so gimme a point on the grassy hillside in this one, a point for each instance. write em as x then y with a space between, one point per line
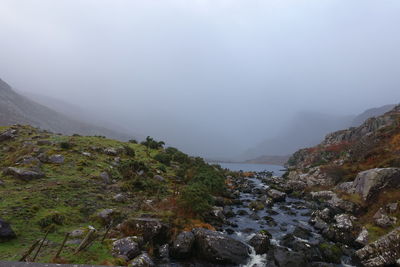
143 179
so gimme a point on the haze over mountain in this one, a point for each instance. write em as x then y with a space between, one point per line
15 108
212 77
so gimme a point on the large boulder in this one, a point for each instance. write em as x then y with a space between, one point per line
23 174
286 258
126 248
261 242
143 260
383 252
369 183
6 232
182 246
56 159
216 247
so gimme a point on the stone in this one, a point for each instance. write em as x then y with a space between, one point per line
362 238
285 258
261 242
344 221
369 183
105 177
159 178
7 135
163 253
106 215
56 159
276 195
120 198
143 260
302 232
110 151
182 245
218 248
23 174
392 207
6 232
126 248
148 228
383 252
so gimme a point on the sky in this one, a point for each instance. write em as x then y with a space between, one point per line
212 77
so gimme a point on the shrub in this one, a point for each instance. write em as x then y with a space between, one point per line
65 145
133 141
163 158
152 144
177 155
129 151
128 169
196 198
210 178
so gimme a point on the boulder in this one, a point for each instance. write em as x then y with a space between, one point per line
6 232
149 228
369 183
216 247
56 159
302 232
344 221
286 258
23 174
182 245
105 177
362 238
110 151
392 207
143 260
261 242
106 215
119 197
383 252
276 195
7 135
126 248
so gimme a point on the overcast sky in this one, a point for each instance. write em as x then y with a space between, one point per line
210 76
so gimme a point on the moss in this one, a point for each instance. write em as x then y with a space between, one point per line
331 252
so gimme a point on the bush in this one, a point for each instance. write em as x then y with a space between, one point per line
196 198
211 179
145 184
153 144
163 158
177 155
65 145
133 141
129 169
129 151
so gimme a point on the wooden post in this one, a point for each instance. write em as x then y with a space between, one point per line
41 245
34 245
62 246
85 240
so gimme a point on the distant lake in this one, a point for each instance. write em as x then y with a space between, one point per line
248 167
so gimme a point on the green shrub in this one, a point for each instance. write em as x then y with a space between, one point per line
152 144
163 158
65 145
212 179
196 198
128 169
133 141
129 151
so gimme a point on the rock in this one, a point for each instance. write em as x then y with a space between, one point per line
334 201
23 174
301 232
56 159
228 212
276 195
383 220
159 178
216 247
7 135
344 221
163 253
6 232
346 187
77 233
111 151
285 258
87 154
143 260
369 183
105 177
392 207
149 228
126 248
106 215
383 252
261 242
120 197
182 246
362 238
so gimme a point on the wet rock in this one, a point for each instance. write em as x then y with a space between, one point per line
182 245
228 212
285 258
23 174
163 253
311 252
143 260
276 195
369 183
362 238
383 252
230 231
302 232
242 213
261 242
270 221
6 232
126 248
254 216
219 248
56 159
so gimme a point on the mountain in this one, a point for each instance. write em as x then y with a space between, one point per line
373 112
274 160
305 129
18 109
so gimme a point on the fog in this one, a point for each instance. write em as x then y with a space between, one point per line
212 77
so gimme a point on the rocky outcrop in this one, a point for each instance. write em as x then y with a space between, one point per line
216 247
23 174
369 183
383 252
126 248
6 232
182 246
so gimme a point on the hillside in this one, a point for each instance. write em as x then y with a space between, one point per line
71 184
15 108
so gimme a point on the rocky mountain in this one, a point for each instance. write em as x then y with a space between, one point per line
18 109
373 112
274 160
355 175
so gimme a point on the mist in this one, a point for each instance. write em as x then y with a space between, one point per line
211 77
